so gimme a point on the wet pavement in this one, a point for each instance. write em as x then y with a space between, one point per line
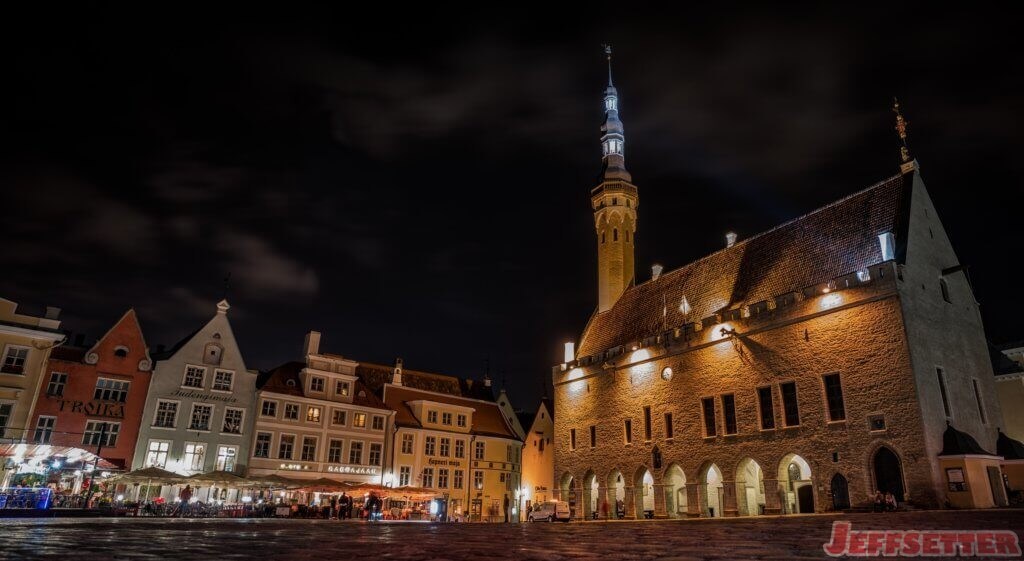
762 538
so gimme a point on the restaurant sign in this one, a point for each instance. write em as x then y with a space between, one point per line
94 408
356 470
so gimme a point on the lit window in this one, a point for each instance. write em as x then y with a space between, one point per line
341 388
313 415
156 455
359 420
195 455
404 476
478 479
226 458
428 477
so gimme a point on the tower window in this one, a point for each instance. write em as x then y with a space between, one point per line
602 237
615 234
615 201
945 290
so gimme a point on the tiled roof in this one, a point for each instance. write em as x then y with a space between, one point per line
956 443
375 376
277 381
487 417
827 243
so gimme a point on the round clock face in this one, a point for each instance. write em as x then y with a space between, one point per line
666 373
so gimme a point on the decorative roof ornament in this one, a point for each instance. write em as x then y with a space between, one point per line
907 163
608 53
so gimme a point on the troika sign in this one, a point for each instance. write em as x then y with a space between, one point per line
95 408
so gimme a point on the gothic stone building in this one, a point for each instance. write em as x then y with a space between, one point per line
798 370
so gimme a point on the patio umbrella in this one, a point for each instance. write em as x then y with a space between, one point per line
276 481
221 477
323 484
149 475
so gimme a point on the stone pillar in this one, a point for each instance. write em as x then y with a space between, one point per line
629 502
659 500
693 501
772 501
579 513
604 504
702 493
729 507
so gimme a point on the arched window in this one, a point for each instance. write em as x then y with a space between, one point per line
615 235
602 237
945 290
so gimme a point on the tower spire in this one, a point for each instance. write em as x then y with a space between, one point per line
907 163
608 53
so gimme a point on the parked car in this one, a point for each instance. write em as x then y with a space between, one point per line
551 511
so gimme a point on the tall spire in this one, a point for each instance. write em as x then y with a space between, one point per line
613 139
907 163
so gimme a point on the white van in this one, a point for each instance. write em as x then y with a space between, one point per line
551 511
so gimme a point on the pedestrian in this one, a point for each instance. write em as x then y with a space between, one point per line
879 501
345 504
184 497
890 502
334 507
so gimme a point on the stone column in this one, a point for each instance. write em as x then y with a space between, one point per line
580 513
629 502
659 500
693 501
602 501
729 507
702 502
772 501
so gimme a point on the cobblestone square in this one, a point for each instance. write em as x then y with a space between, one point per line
761 538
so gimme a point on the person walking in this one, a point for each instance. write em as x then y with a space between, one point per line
184 497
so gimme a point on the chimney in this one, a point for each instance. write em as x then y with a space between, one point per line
570 352
52 312
730 239
397 378
312 343
656 270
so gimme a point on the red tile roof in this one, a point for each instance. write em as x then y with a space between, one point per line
827 243
285 380
487 417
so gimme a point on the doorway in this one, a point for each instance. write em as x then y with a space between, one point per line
840 492
888 473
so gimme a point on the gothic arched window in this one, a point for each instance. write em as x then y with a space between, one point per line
615 235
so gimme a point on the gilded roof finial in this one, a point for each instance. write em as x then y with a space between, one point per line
901 131
608 53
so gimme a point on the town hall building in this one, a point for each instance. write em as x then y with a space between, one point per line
799 370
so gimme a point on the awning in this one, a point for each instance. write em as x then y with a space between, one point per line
23 451
149 476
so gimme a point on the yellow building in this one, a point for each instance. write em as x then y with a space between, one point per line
453 440
25 342
539 456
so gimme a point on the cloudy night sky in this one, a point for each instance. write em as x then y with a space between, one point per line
421 188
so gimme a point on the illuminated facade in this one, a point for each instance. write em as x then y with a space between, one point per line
315 419
539 456
797 370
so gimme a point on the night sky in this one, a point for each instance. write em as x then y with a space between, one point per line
421 188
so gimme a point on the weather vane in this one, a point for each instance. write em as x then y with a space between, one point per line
608 53
901 130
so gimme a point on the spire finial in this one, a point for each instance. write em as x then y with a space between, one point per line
608 53
907 163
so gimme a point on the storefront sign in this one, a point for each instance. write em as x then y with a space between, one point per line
294 467
357 470
442 462
94 408
205 396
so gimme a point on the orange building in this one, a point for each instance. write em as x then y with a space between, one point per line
92 399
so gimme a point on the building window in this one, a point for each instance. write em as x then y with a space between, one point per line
200 417
339 417
262 448
57 382
285 447
269 408
945 290
334 451
834 396
446 419
429 445
460 420
291 411
359 420
313 415
710 427
457 479
647 423
615 234
432 417
316 384
428 477
729 413
111 390
790 407
478 452
593 436
510 454
341 388
223 380
446 447
408 441
460 448
942 390
378 422
100 433
5 416
572 439
14 360
404 476
195 456
669 429
226 458
194 376
478 479
627 428
355 453
166 414
764 400
233 420
44 430
156 454
376 450
442 478
977 399
308 449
